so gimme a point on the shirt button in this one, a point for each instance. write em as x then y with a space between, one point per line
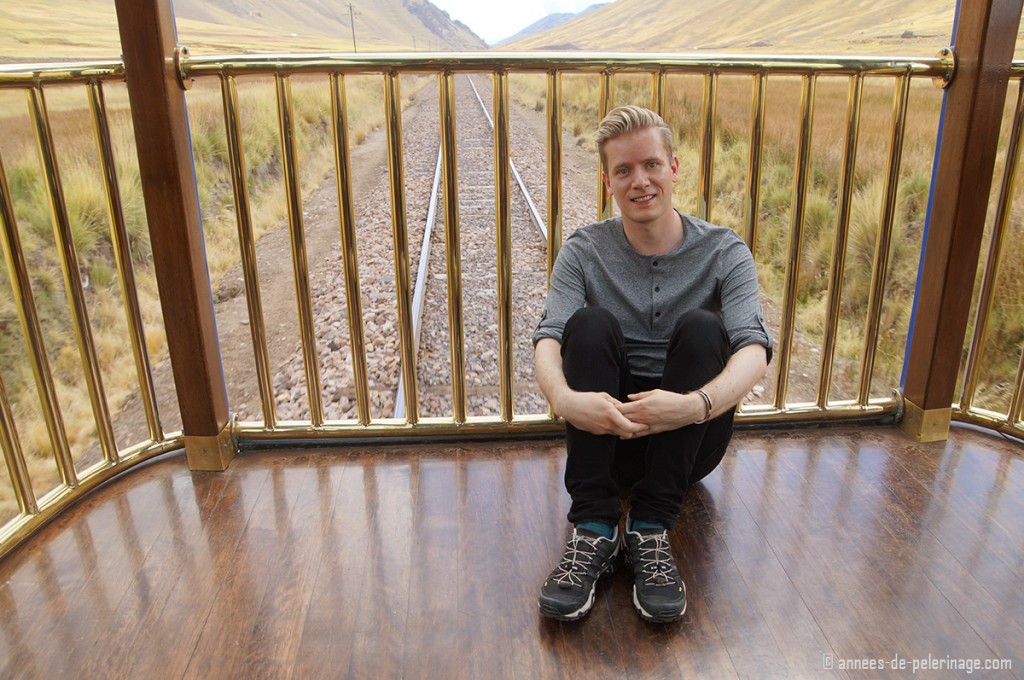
657 314
657 289
655 263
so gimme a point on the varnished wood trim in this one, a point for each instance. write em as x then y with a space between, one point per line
986 34
149 41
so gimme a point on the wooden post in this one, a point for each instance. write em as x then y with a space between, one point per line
149 43
984 42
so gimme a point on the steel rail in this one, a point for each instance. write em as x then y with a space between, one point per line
421 281
421 270
538 221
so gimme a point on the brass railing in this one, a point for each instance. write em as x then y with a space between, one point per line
35 510
1010 420
810 71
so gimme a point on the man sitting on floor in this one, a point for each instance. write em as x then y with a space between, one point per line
652 333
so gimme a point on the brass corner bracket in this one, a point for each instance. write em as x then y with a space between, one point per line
213 453
181 55
948 57
925 425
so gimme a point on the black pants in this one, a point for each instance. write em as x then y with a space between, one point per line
659 467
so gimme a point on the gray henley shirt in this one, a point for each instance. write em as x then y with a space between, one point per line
711 269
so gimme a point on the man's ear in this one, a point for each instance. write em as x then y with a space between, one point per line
675 168
607 184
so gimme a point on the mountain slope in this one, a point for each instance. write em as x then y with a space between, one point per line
547 23
822 26
87 29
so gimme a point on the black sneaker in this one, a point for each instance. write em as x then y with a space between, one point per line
568 591
659 593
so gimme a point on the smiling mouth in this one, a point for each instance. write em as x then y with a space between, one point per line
641 200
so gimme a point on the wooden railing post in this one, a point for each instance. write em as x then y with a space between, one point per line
149 43
986 31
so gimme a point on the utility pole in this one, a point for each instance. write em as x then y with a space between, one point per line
352 23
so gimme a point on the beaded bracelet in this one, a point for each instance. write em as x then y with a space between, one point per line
707 403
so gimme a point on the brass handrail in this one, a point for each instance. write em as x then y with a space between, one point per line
34 78
194 66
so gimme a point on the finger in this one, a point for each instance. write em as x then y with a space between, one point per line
625 426
640 395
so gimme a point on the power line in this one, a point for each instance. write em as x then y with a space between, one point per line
351 23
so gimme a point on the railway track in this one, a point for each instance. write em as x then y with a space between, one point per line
479 214
425 219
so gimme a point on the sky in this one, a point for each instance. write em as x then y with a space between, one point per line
493 21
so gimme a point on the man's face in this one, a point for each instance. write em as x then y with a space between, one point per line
639 173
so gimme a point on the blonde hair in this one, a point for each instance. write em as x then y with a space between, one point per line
625 119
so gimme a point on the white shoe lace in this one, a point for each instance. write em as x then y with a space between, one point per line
656 560
575 560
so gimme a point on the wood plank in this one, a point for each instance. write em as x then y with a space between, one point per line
430 649
333 627
183 570
425 561
69 566
889 541
792 623
812 549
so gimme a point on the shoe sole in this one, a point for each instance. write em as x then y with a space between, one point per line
588 605
667 617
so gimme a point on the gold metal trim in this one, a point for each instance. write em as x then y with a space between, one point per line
752 200
64 238
14 457
400 236
181 55
212 453
554 174
986 298
453 252
21 288
290 173
22 76
247 247
503 239
706 174
948 61
122 259
883 245
800 175
659 92
427 429
835 281
990 420
349 251
1014 414
579 62
554 169
606 103
925 425
15 532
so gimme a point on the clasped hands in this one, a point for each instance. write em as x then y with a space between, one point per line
644 414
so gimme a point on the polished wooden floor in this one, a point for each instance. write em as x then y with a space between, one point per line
813 553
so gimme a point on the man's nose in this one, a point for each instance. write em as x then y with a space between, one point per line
640 178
